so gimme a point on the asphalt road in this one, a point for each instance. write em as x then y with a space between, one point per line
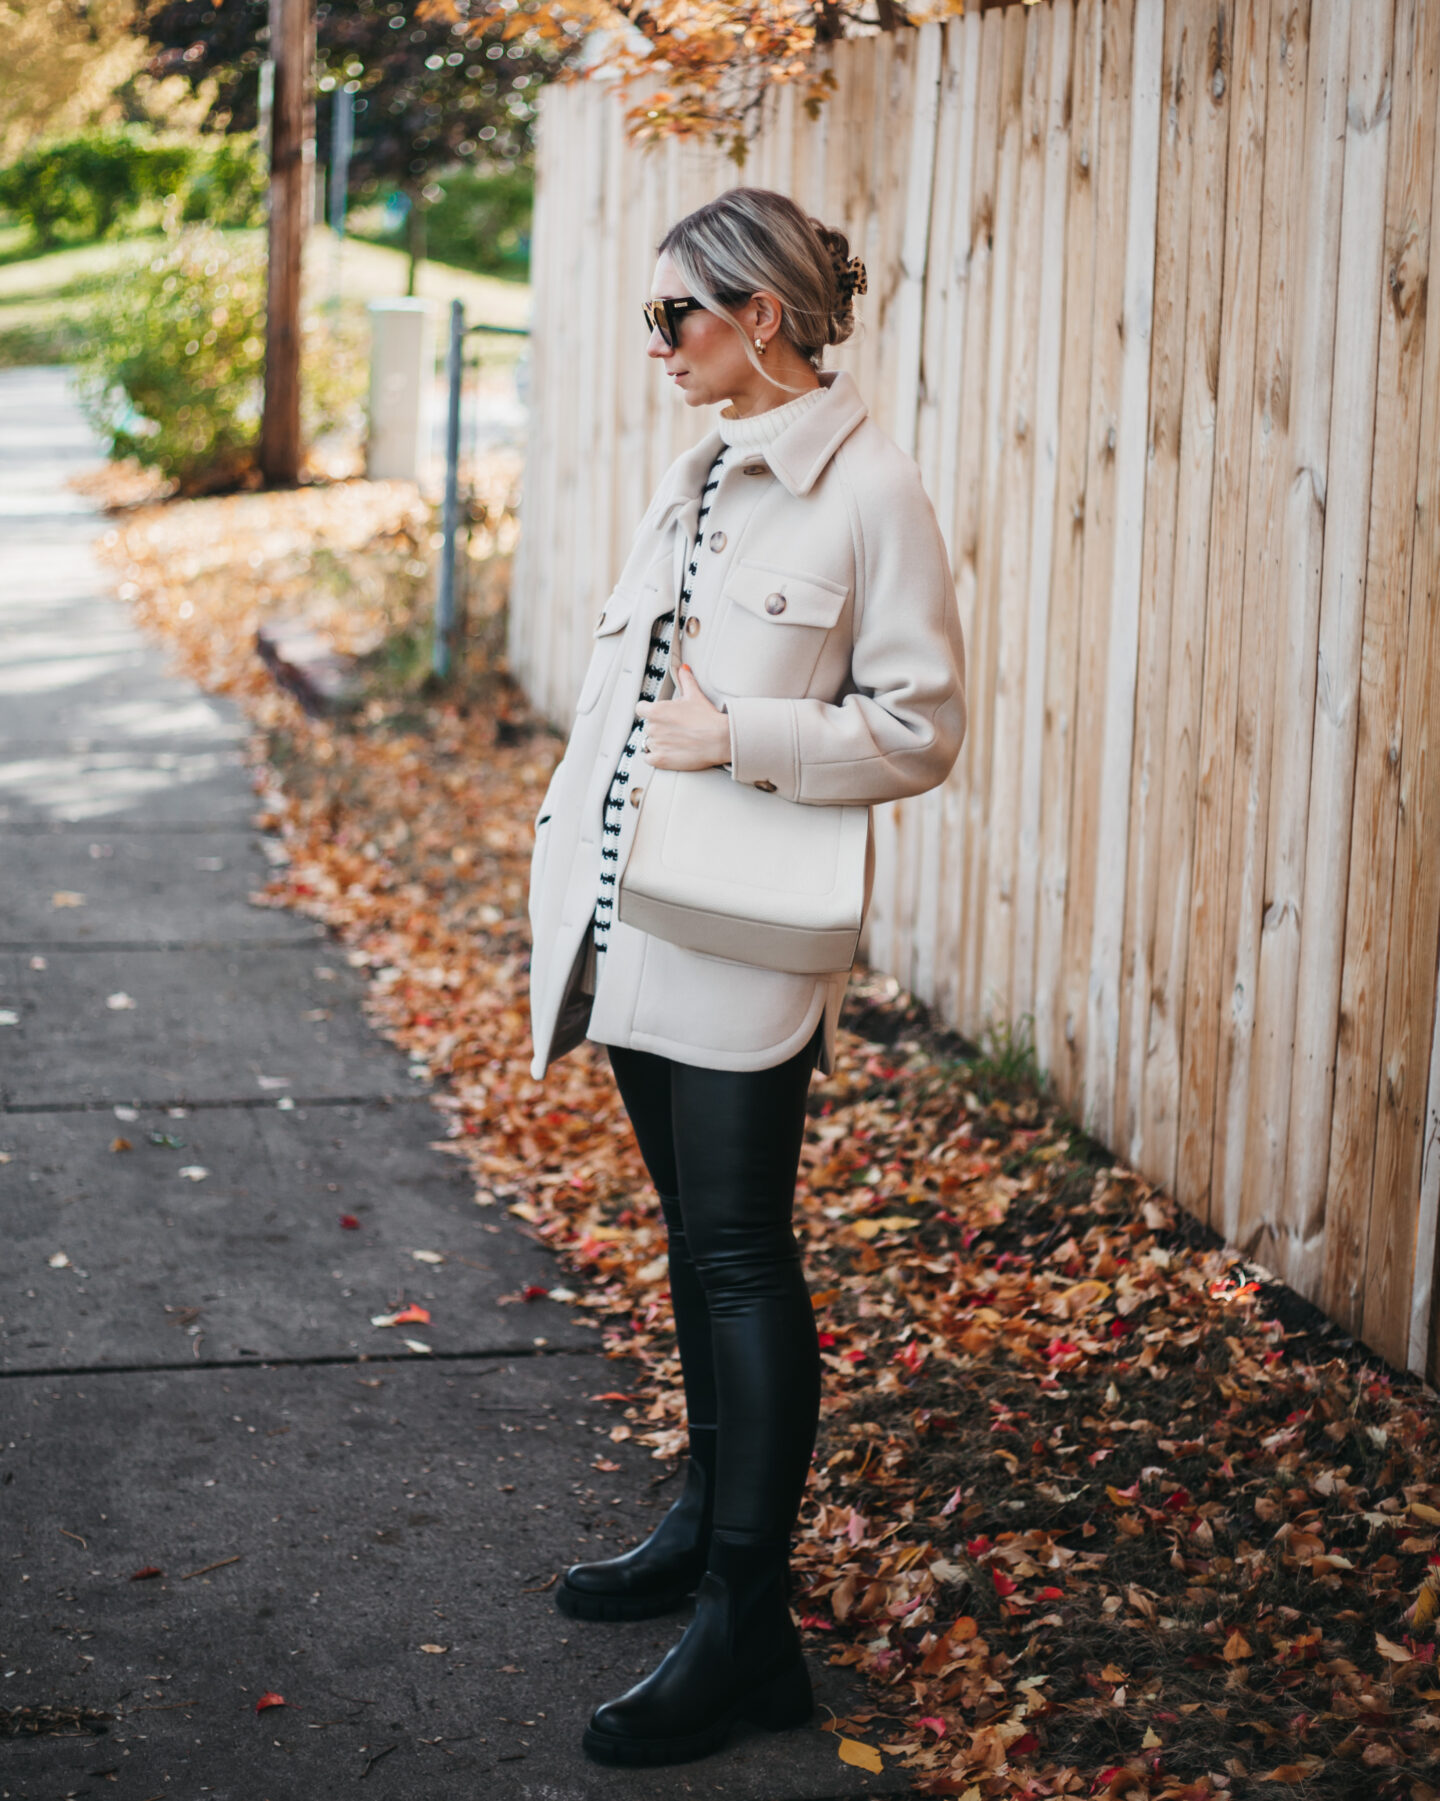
190 1381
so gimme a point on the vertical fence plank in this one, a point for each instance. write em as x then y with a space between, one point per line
1102 501
1068 558
951 173
637 258
1407 1152
878 216
1044 484
914 895
1112 828
953 427
618 353
968 523
990 426
1194 511
1185 72
1302 544
950 170
522 614
1342 605
915 162
1233 1213
909 304
1224 597
1369 1221
1016 445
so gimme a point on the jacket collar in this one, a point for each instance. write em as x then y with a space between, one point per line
797 456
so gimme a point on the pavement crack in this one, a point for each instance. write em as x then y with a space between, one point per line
54 947
354 1359
263 1103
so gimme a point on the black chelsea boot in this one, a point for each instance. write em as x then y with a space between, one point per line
660 1574
740 1658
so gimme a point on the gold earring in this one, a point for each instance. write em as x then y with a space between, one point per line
760 345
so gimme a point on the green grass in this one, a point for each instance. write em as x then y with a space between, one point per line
43 299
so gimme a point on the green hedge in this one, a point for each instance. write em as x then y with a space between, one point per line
76 189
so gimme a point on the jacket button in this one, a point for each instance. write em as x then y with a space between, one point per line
717 540
755 469
769 787
692 626
774 603
635 794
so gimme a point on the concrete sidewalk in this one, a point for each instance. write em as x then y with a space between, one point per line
188 1374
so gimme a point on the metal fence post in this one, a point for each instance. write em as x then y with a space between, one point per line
445 586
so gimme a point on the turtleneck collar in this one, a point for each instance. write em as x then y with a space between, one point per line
764 428
797 455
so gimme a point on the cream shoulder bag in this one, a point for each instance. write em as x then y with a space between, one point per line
721 867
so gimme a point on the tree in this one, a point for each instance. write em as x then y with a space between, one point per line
74 64
717 61
436 82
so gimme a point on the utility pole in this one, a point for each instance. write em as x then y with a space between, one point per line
292 50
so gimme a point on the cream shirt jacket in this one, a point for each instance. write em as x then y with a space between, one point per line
828 630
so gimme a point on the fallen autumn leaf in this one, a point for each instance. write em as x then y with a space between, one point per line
864 1757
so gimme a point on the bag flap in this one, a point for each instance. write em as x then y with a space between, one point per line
807 599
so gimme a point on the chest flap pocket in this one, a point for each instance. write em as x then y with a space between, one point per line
772 628
609 636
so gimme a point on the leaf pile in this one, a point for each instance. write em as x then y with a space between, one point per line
1090 1516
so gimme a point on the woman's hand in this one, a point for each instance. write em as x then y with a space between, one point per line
687 732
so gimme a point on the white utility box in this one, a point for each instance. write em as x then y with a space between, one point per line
402 387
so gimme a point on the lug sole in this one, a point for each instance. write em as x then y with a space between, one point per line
785 1701
579 1604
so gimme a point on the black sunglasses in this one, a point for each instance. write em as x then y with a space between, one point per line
664 315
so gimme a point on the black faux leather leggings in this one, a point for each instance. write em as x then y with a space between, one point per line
723 1149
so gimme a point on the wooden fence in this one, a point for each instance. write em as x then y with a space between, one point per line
1147 304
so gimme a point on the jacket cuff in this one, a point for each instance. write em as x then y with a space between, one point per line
762 744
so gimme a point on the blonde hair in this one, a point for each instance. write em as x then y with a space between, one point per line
751 238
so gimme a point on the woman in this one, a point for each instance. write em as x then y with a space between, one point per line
794 558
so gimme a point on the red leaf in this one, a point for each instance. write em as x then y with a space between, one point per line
269 1699
535 1291
151 1569
1051 1594
349 1222
412 1316
614 1395
1174 1502
977 1547
1003 1583
826 1340
816 1623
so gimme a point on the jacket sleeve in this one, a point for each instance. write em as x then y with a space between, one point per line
900 731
